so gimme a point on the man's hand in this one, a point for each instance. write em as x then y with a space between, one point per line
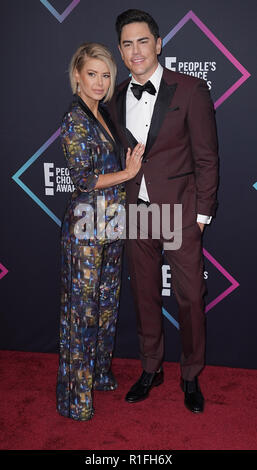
202 226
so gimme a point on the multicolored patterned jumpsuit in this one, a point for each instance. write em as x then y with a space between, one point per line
90 276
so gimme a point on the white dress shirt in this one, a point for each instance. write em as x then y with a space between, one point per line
139 127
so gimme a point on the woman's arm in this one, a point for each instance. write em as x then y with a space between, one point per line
74 139
133 165
77 151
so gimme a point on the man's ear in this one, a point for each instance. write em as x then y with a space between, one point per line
158 46
120 51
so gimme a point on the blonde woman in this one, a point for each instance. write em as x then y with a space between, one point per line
91 260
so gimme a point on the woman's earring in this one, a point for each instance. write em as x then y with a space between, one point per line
78 88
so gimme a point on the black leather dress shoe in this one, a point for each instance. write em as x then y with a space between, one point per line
194 399
140 390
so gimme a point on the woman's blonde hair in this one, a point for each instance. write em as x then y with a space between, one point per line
92 50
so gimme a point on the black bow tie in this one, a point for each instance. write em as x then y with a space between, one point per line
137 90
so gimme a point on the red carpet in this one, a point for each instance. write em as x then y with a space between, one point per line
29 420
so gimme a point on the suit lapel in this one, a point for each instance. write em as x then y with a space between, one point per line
165 95
121 112
126 136
120 120
121 106
163 101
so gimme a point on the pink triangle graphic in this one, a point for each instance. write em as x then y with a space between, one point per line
234 283
60 17
3 271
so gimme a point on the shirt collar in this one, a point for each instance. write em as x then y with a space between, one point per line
155 78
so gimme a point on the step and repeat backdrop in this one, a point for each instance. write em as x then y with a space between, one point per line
210 39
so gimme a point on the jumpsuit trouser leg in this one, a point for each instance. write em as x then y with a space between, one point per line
89 307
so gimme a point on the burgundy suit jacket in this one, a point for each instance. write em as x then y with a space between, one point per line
180 162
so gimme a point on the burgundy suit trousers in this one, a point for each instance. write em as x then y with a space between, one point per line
145 266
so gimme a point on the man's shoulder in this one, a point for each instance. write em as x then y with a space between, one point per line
182 79
121 85
118 89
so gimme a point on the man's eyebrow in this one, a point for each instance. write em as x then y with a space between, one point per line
130 40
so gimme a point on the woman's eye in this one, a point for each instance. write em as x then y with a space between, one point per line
106 76
91 74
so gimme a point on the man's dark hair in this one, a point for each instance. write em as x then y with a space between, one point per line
135 16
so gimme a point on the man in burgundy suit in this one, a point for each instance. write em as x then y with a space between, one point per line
172 114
